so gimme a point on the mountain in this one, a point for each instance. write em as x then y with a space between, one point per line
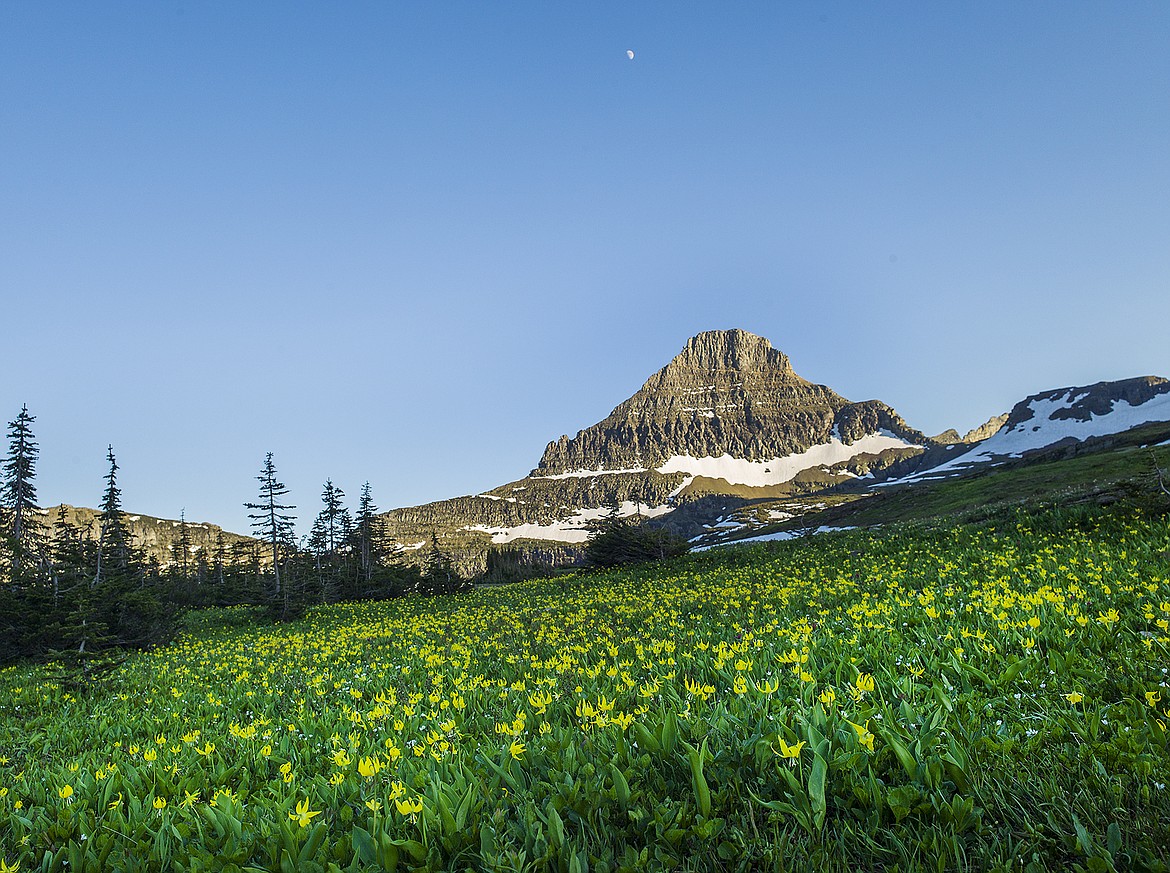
730 406
155 536
726 418
726 439
975 435
1063 417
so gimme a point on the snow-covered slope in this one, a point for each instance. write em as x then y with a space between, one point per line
774 471
1053 417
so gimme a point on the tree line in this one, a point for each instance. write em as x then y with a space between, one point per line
69 593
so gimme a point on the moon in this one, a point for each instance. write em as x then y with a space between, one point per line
630 54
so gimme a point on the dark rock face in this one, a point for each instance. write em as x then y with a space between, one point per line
1091 400
727 393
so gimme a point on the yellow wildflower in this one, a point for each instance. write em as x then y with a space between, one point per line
303 815
409 806
787 751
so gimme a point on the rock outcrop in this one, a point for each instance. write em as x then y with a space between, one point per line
156 537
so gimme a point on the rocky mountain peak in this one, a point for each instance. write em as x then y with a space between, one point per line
715 350
728 392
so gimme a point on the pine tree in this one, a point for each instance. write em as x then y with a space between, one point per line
115 552
274 525
329 541
439 574
368 535
219 562
126 588
23 531
615 540
179 566
181 547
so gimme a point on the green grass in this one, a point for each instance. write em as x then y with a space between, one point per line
987 696
1120 470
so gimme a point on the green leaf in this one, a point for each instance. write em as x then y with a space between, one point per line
620 785
669 733
556 827
900 751
1084 841
416 849
1113 838
487 843
698 781
1012 671
817 778
448 820
312 844
363 846
646 740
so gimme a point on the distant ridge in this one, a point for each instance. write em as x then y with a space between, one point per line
1065 415
155 536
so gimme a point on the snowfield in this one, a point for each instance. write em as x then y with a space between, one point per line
776 471
1042 430
573 529
773 537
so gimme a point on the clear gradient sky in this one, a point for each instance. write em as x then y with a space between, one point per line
414 242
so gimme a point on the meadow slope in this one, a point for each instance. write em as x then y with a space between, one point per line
988 696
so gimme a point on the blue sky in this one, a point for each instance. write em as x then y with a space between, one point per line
412 243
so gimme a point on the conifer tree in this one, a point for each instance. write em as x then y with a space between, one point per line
331 496
23 531
273 524
440 575
181 547
368 536
126 587
115 561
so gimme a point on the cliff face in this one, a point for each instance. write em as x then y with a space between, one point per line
727 393
155 536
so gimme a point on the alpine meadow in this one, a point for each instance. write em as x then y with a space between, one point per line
528 437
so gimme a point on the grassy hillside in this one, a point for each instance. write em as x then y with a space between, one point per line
1118 469
988 696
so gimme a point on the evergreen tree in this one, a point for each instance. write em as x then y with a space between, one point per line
368 537
115 561
439 574
330 542
179 566
126 588
181 548
615 540
272 523
330 515
23 531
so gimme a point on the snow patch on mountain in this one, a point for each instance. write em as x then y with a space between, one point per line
572 529
1046 428
739 471
777 536
588 474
